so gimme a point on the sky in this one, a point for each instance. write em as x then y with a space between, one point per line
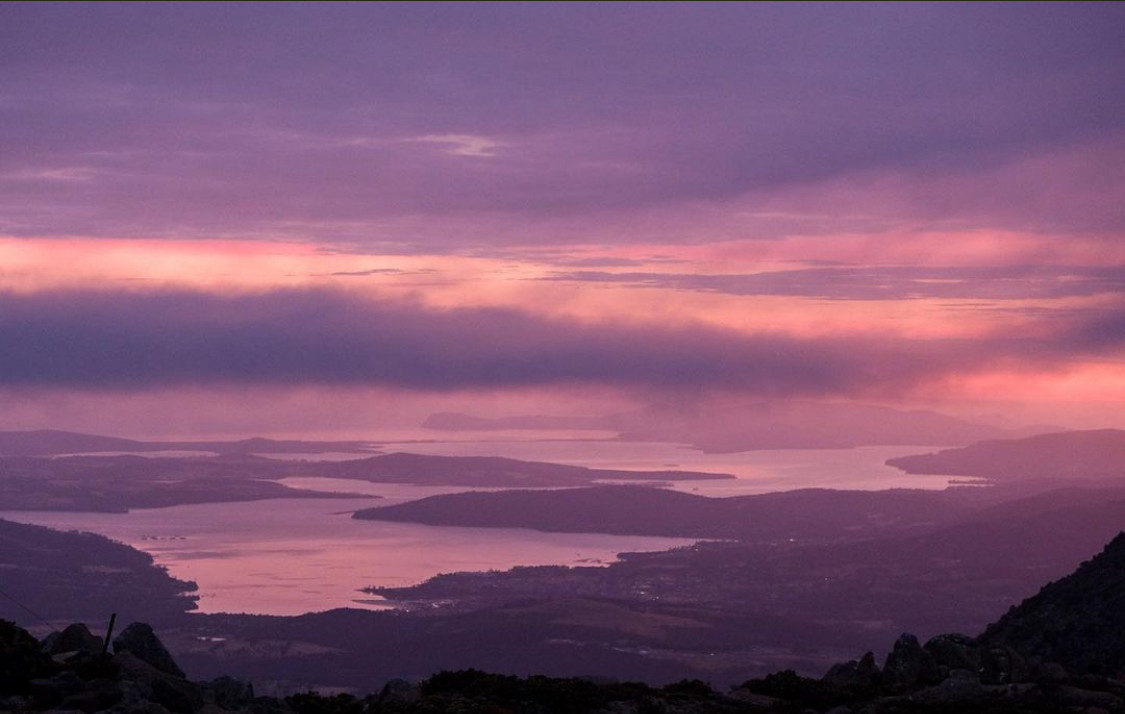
235 218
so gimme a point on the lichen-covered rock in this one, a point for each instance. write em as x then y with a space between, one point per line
139 640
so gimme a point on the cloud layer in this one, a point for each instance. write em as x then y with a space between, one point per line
1012 282
493 123
131 341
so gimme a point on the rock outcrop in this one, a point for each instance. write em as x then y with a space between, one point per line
68 671
1076 621
139 640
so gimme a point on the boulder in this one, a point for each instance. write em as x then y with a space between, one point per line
228 693
20 659
960 685
1002 665
76 638
49 692
854 675
142 682
909 665
953 651
400 691
96 695
1086 698
139 640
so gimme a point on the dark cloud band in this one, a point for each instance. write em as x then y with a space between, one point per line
145 340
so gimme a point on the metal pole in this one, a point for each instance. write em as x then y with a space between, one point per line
109 634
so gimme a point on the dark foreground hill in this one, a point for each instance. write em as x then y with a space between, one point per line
1060 651
1078 621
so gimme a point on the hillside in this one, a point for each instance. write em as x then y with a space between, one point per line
1097 455
488 471
58 575
48 442
1078 621
807 514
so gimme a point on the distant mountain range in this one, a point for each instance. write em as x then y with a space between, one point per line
50 442
763 425
1096 455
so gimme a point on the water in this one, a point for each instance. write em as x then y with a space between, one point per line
757 471
291 556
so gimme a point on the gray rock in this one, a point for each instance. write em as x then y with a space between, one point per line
142 682
51 691
961 684
1075 697
954 651
1002 665
909 665
75 638
755 701
1051 672
863 674
14 704
97 695
20 657
228 693
400 691
139 640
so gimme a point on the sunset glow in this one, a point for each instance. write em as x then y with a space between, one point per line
941 210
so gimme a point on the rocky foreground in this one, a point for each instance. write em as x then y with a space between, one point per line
1060 651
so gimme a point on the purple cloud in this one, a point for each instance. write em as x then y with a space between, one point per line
126 341
1013 282
327 121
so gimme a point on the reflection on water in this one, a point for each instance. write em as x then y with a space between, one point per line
757 471
290 556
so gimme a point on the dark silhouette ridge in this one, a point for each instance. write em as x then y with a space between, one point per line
791 424
1078 621
48 442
